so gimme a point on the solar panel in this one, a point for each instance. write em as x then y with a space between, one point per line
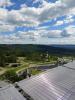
70 65
55 84
3 84
10 93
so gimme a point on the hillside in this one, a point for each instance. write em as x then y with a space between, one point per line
24 49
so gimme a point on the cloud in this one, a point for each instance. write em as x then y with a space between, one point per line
32 16
40 37
6 28
3 14
42 33
71 30
65 34
59 23
69 19
16 40
69 3
5 3
50 33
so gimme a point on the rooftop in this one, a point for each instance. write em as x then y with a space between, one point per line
9 92
3 84
70 65
55 84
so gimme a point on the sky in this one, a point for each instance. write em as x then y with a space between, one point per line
37 21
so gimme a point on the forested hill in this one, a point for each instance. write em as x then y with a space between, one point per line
26 49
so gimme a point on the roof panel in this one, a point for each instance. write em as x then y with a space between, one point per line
10 93
70 65
54 84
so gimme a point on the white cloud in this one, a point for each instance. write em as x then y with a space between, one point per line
5 3
69 3
3 14
59 22
38 36
6 28
10 40
71 30
69 19
50 33
31 16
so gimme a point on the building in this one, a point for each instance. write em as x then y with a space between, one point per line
9 92
55 84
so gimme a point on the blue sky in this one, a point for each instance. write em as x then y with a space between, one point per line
37 21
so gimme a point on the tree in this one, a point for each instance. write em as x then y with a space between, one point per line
11 76
2 60
11 59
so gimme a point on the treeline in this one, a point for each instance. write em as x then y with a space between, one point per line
4 60
10 53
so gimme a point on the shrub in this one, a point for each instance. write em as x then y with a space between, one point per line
11 76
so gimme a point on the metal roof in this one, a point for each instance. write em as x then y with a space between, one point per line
3 83
55 84
10 93
70 65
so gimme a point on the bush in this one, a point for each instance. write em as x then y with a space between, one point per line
11 76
